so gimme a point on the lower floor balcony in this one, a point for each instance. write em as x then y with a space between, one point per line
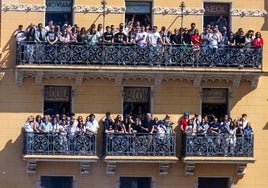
139 148
57 147
217 148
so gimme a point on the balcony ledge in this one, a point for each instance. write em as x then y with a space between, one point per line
119 74
83 160
163 161
240 162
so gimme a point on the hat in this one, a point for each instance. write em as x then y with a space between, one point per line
160 122
185 114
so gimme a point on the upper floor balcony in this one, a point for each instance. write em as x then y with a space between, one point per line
133 55
121 62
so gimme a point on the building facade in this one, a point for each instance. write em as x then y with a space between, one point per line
84 79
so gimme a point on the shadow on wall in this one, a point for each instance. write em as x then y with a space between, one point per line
265 25
12 164
5 57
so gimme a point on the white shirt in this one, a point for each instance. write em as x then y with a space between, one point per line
92 125
142 38
153 38
28 127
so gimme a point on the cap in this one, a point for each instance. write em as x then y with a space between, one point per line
186 114
160 122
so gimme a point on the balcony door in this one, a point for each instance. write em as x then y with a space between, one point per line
139 11
215 101
57 99
56 182
213 182
59 11
217 14
136 100
135 182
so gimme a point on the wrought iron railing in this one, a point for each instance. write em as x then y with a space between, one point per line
219 145
164 55
140 145
59 144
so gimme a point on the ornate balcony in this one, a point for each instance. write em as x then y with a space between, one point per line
132 55
141 148
59 147
80 62
218 148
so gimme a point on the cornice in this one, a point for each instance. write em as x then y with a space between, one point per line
98 9
121 10
24 7
197 79
177 11
248 13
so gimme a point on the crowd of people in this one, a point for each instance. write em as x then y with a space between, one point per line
212 36
76 126
208 124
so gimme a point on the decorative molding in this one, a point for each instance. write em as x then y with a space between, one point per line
189 169
252 13
237 80
158 80
19 78
254 82
79 78
111 168
163 168
24 7
198 80
31 167
39 78
118 79
240 169
177 11
84 168
99 9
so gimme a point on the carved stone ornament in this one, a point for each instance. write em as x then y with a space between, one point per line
99 9
253 13
176 11
23 7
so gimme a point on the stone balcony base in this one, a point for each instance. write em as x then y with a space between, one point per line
83 160
240 162
163 162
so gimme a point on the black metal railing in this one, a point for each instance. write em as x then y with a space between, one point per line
140 145
219 145
59 144
116 54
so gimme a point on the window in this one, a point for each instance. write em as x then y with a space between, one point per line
213 182
135 182
59 11
136 100
139 11
56 182
57 99
217 14
215 101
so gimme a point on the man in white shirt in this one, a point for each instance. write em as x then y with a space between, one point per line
154 37
92 125
142 37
